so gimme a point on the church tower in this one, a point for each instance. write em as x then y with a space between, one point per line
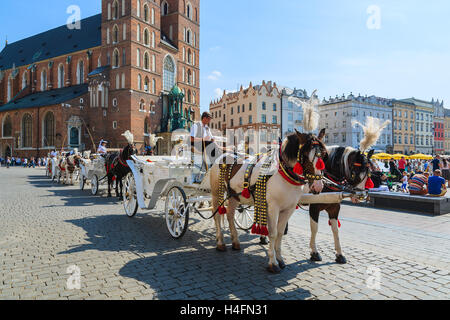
151 51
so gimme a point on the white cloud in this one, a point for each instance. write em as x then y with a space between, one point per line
215 75
218 93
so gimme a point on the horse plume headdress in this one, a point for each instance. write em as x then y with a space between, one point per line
310 124
129 136
372 131
310 114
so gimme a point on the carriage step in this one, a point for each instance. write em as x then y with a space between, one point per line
199 199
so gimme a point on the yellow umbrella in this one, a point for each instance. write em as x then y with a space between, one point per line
398 156
382 156
421 156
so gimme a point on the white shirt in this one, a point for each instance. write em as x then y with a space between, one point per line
102 150
206 131
53 154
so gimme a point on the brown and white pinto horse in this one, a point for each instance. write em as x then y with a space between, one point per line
67 166
284 188
349 169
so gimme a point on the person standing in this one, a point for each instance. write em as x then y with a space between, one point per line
402 165
8 162
436 162
446 171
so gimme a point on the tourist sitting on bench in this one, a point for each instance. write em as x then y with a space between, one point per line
418 184
437 185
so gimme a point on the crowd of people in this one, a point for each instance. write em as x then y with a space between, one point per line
23 162
417 177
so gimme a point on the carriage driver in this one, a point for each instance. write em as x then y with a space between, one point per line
102 148
202 142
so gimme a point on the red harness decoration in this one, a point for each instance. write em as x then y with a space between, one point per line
61 168
288 179
339 223
369 184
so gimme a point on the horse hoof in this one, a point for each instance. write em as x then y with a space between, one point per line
340 259
236 247
281 264
315 256
221 248
273 269
263 241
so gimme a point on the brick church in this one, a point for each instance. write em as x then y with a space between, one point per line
133 67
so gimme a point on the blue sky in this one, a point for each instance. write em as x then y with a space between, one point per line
322 44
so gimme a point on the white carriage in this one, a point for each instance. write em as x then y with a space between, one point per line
172 180
93 172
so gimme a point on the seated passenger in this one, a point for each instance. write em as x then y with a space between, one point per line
102 148
418 184
437 185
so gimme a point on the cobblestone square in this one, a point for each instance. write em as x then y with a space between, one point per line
47 230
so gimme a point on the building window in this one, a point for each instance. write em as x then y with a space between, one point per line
263 118
27 131
115 34
146 13
146 84
60 76
7 127
264 106
165 8
146 61
43 80
250 119
114 125
116 58
146 37
274 107
274 119
80 72
115 10
169 73
49 130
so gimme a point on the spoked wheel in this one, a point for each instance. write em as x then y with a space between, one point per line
177 213
243 217
82 182
130 203
94 185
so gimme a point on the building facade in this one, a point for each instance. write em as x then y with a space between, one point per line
292 110
438 127
337 115
133 67
255 108
447 131
424 125
404 115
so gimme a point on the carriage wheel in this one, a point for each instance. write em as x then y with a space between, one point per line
94 185
177 213
243 217
130 203
82 183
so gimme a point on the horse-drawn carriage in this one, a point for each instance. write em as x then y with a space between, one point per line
93 172
172 180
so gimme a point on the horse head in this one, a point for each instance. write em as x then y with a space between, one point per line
358 165
306 154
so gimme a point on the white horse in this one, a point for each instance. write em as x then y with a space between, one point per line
284 188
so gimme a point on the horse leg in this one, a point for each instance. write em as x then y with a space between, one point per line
273 213
117 187
230 216
109 185
121 188
333 214
314 211
220 245
282 224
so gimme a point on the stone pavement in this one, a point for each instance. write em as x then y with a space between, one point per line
47 228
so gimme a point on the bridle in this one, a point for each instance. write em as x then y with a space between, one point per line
294 178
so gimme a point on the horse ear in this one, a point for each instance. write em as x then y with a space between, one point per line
370 154
322 134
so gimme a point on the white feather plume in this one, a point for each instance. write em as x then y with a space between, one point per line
129 136
372 131
310 115
154 140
